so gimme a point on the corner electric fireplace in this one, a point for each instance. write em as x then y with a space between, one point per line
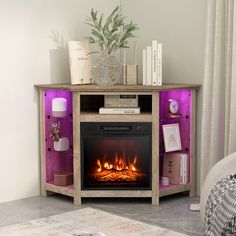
116 156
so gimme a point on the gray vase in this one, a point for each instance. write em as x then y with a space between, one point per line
106 70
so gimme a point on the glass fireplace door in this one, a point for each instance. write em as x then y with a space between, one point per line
115 156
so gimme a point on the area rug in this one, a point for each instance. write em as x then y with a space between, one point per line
85 222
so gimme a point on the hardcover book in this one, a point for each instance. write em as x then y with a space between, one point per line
171 168
159 64
149 66
80 62
117 111
185 168
121 101
144 66
175 166
154 62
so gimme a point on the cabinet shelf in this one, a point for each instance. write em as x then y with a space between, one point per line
172 189
174 118
65 190
59 119
93 116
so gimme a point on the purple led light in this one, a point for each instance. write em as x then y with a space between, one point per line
58 161
184 98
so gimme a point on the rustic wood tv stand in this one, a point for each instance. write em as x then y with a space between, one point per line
83 104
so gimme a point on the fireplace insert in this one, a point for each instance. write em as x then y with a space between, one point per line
116 156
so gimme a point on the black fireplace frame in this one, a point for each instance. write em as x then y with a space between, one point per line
117 129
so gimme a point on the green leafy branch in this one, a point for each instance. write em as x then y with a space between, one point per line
111 34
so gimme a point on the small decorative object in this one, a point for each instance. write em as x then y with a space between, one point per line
109 35
55 131
173 106
172 139
59 107
130 72
80 62
61 145
165 181
62 178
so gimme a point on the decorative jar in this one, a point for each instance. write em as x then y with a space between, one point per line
106 70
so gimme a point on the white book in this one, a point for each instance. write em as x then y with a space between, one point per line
185 169
154 62
117 111
144 66
149 66
181 170
80 62
159 64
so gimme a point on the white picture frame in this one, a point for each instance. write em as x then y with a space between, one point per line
171 136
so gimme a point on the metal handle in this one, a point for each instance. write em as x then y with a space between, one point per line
116 128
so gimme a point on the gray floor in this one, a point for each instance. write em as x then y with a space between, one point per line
173 212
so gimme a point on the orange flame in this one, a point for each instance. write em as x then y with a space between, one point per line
99 166
118 164
107 166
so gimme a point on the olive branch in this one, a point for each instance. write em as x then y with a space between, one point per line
111 34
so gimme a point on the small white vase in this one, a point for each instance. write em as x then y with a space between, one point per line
62 145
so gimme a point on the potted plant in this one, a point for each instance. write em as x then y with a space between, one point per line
109 35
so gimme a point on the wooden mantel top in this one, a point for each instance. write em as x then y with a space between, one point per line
117 88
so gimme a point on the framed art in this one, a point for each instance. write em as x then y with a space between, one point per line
171 135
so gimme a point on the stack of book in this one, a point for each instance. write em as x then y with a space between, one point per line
152 64
175 166
120 104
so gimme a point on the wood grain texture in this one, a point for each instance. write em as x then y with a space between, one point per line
118 88
155 148
177 189
42 143
116 93
95 117
60 189
76 148
116 193
78 117
193 144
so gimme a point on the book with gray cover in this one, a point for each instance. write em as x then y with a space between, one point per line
121 101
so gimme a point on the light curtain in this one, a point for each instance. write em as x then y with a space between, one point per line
218 134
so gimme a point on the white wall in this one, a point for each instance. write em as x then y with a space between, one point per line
180 26
29 56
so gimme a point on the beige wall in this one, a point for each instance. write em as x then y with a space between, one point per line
28 56
180 26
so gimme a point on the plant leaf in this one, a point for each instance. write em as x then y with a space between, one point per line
111 34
